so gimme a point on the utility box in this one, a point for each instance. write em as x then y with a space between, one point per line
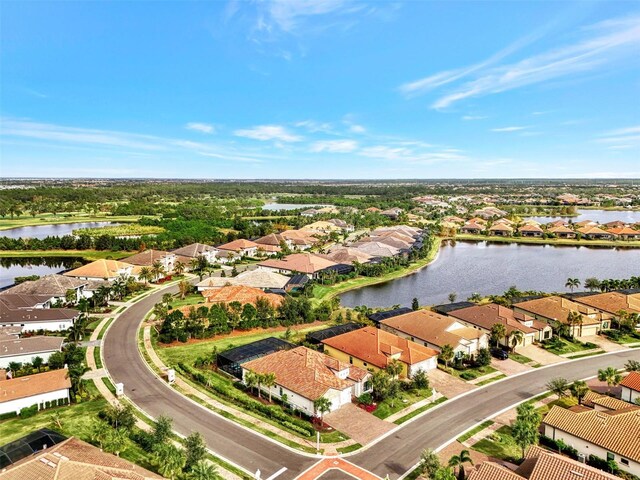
119 389
171 375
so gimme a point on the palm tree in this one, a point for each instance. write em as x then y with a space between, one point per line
157 269
394 368
579 389
452 297
169 459
321 406
498 332
575 318
458 461
269 380
447 354
146 275
558 386
184 286
179 267
609 375
516 338
250 380
37 363
572 283
592 283
203 471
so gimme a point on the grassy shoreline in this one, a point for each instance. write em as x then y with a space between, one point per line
327 292
50 219
86 254
550 241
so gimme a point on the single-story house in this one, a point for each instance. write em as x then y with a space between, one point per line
108 270
531 231
300 239
348 256
377 249
484 317
625 233
608 435
149 257
595 233
322 227
500 230
435 331
262 279
344 226
631 387
392 213
609 302
54 286
23 392
34 319
373 348
555 310
304 376
196 250
562 231
241 294
20 300
472 228
241 247
23 350
274 240
307 263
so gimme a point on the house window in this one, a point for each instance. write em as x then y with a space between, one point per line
547 334
610 456
624 461
351 360
605 324
364 364
281 391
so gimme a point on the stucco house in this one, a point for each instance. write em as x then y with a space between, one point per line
24 350
23 392
196 250
631 387
54 286
241 247
108 270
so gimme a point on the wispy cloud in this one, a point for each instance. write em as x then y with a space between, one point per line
312 126
622 138
268 132
509 129
334 146
409 155
200 127
605 43
468 118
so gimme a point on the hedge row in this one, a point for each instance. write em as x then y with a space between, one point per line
243 400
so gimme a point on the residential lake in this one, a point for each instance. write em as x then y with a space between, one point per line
11 268
491 268
600 216
43 231
290 206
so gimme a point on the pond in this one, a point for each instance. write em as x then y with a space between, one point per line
491 268
43 231
600 216
290 206
25 266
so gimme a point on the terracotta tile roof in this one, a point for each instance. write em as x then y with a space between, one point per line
304 371
485 316
30 385
611 302
348 255
500 227
560 229
321 226
300 237
258 278
388 240
300 262
492 471
147 258
194 250
541 464
472 226
30 345
242 294
618 432
100 269
624 231
592 230
238 245
274 239
54 285
632 381
555 308
585 223
376 347
530 228
428 326
74 459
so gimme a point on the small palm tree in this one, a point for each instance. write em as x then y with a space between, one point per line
169 459
498 332
179 267
579 389
146 275
572 283
184 286
157 269
447 354
269 381
250 380
321 406
558 386
609 375
203 471
516 338
394 368
458 461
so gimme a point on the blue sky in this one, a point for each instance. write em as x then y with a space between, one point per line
320 89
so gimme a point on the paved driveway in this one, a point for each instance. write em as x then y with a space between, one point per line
604 343
508 366
363 427
448 385
540 355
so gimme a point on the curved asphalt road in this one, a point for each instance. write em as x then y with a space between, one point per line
392 456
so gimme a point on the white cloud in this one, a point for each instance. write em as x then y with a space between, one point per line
603 44
314 127
334 146
473 117
200 127
409 155
509 129
268 132
622 137
357 128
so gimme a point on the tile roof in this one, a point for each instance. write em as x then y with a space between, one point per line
541 464
560 229
388 240
348 255
100 269
530 228
21 300
592 230
492 471
618 431
238 245
555 308
251 278
500 227
306 372
377 249
624 231
429 326
30 385
485 316
194 250
376 347
300 237
74 459
240 293
54 285
26 315
300 262
147 258
611 302
274 239
632 381
30 345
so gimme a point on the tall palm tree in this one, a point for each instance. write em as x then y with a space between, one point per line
575 318
458 461
498 332
179 267
592 283
157 269
572 283
250 380
146 275
447 354
609 375
269 380
169 459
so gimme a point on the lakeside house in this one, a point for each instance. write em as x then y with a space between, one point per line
34 319
372 348
610 302
435 331
23 350
631 387
197 250
107 270
484 317
376 249
241 294
39 389
240 247
555 310
472 228
531 231
595 233
307 263
54 286
609 435
625 233
262 279
562 231
305 375
348 256
500 230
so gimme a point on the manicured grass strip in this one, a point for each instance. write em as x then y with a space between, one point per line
96 357
520 358
350 448
590 354
403 400
109 384
418 411
62 218
473 431
104 329
500 444
489 380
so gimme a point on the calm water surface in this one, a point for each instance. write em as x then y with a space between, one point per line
468 267
600 216
22 267
290 206
43 231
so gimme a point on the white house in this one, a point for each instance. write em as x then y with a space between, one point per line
54 286
34 319
304 376
23 350
108 270
241 247
196 250
38 389
631 387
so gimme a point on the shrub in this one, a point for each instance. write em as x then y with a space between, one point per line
467 376
365 399
4 416
28 412
559 446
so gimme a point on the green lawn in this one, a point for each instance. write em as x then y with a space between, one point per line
192 299
404 400
68 217
519 358
418 411
564 402
500 444
104 329
490 380
350 448
128 230
473 431
472 373
96 357
559 346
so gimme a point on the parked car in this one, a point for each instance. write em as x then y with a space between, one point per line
499 353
